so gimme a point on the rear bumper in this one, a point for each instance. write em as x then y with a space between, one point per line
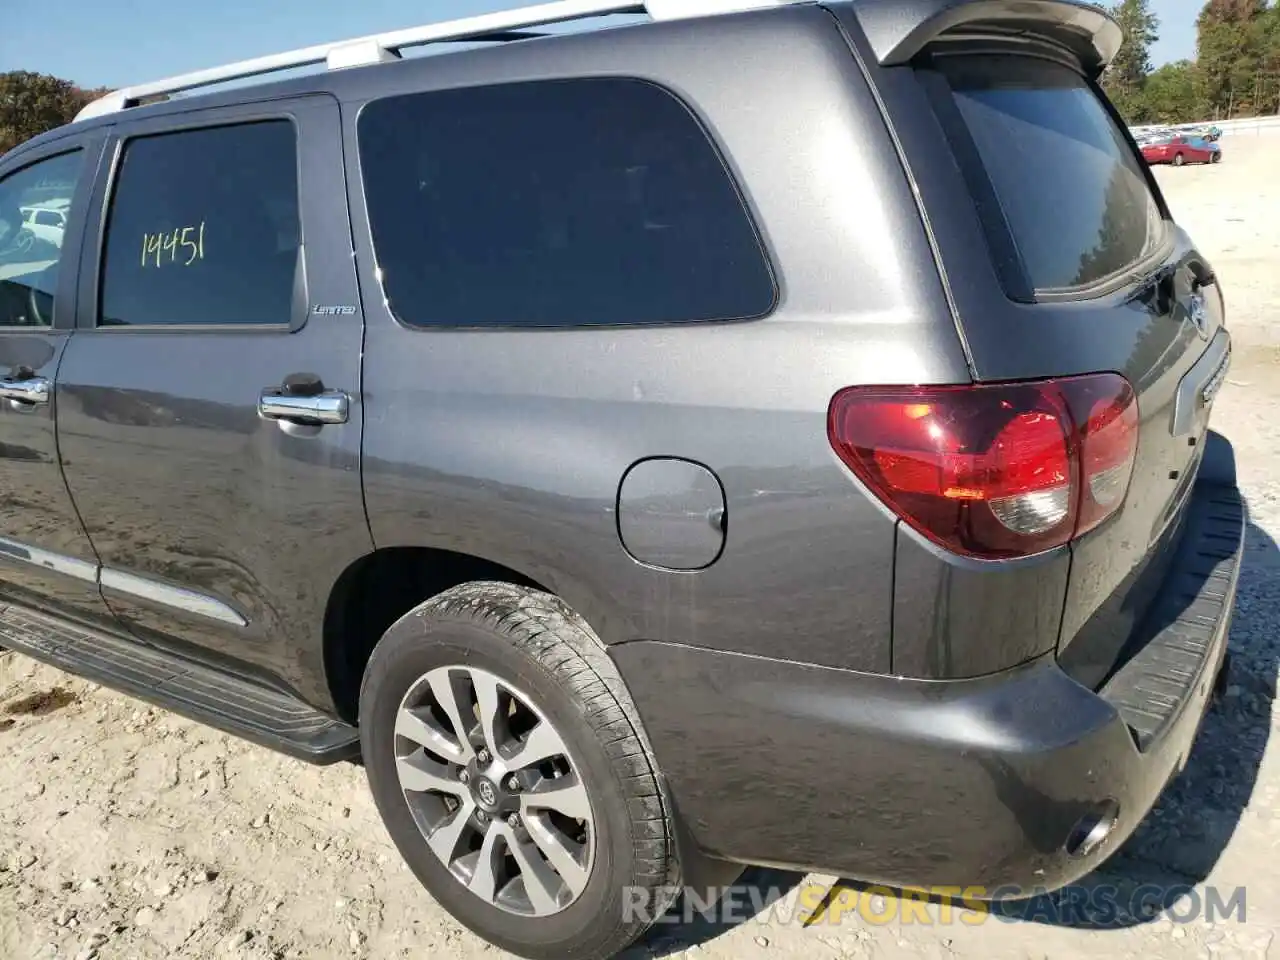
933 783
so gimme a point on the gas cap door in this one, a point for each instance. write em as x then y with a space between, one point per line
671 514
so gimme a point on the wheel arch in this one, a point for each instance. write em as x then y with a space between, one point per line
380 587
375 591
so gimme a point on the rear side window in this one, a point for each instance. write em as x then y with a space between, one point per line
1061 192
557 203
204 228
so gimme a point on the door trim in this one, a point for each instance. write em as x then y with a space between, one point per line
49 560
179 598
143 588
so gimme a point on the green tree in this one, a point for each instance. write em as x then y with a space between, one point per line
31 103
1232 39
1170 94
1126 76
1268 81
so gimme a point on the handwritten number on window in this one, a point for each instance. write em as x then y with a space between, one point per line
184 245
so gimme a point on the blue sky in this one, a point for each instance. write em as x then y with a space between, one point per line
113 43
1177 29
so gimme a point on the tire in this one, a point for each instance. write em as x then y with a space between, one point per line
1178 160
537 654
1215 157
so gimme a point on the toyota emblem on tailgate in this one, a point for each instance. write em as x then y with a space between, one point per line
1198 316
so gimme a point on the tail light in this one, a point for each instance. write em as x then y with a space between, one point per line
992 471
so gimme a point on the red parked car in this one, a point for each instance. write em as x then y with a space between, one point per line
1181 149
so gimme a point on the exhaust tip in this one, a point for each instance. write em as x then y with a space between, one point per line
1092 830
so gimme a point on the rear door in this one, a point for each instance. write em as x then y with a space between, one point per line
1069 263
46 561
209 402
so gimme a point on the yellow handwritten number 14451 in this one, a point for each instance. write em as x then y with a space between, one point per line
164 247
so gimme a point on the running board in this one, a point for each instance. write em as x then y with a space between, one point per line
233 705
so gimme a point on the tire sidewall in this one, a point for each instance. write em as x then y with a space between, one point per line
418 644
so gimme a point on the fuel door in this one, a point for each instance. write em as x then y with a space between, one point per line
671 514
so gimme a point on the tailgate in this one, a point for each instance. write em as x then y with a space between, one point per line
1061 259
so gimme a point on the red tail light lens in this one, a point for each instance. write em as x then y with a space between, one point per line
993 470
1108 415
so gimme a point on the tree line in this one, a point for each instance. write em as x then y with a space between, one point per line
31 103
1235 73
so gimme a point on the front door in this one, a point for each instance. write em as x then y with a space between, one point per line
209 404
46 561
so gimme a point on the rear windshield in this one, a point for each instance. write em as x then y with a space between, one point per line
1061 192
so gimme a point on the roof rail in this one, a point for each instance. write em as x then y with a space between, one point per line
385 47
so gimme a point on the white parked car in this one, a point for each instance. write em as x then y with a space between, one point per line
48 222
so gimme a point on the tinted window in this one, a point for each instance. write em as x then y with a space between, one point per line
204 228
1069 189
558 203
30 250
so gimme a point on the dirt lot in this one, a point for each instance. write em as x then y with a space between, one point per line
126 832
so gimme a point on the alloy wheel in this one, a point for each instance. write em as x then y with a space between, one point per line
494 790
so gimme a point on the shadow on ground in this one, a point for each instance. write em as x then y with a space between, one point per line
689 923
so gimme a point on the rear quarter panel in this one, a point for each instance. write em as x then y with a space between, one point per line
1097 583
510 444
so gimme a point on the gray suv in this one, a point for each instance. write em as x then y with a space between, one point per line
769 433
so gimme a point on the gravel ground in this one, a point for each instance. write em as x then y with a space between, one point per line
127 832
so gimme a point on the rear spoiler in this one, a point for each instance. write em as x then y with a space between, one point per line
900 30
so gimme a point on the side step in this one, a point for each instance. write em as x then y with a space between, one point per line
236 706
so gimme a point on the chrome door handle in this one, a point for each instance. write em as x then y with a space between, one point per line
331 406
30 390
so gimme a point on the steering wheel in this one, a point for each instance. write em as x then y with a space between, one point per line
39 316
25 241
40 303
